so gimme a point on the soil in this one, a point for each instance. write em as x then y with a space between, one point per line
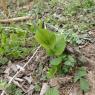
88 51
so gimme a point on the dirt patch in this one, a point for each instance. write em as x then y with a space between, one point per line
87 53
88 50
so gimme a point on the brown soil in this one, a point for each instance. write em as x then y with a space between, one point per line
88 51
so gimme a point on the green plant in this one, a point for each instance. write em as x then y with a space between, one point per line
63 64
13 90
81 77
54 44
10 89
69 63
13 43
39 5
52 91
3 60
88 3
54 2
74 6
52 71
3 85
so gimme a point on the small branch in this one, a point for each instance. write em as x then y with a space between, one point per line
10 20
3 92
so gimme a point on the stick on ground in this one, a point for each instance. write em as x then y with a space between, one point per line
17 19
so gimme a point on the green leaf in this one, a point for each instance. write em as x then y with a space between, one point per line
3 39
11 89
65 69
54 44
3 85
70 61
2 51
32 27
56 61
40 23
84 85
88 3
52 91
81 73
18 92
60 44
46 38
52 71
3 60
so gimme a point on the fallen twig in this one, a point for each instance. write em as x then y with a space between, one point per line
17 19
3 92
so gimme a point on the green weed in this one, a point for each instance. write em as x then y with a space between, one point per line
10 89
81 77
13 43
55 45
52 91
